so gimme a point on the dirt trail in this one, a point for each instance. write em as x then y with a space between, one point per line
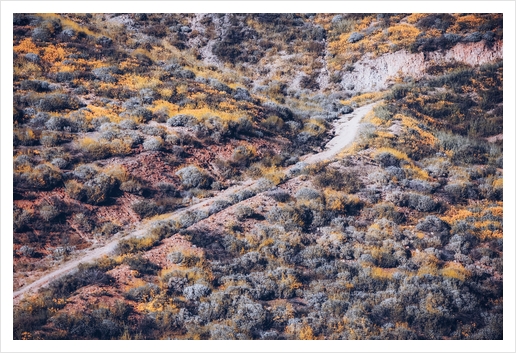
345 131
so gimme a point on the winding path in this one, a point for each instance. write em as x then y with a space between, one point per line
346 129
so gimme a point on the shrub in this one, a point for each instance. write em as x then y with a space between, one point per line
145 208
348 181
84 276
241 94
48 212
152 130
241 196
176 285
196 291
56 102
279 195
194 177
383 112
21 219
142 265
355 37
308 194
243 155
133 245
242 125
418 202
164 229
219 205
57 123
143 293
94 191
132 186
34 58
182 120
189 218
459 191
176 257
399 92
105 74
249 316
273 123
242 212
127 124
50 139
44 177
28 251
386 159
289 217
85 172
223 332
433 224
142 114
388 211
153 144
35 85
471 153
41 34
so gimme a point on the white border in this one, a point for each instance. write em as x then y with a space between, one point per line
10 7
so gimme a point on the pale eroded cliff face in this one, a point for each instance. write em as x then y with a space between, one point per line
372 74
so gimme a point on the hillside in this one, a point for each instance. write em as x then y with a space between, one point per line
200 176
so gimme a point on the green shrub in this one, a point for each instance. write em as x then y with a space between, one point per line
164 229
132 186
134 245
44 177
347 181
143 293
145 208
48 212
142 265
56 102
194 177
21 219
99 189
242 212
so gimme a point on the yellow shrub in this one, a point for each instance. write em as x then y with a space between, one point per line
101 148
427 270
410 123
166 93
53 53
495 211
454 215
455 270
498 183
273 174
417 173
26 46
93 111
306 333
26 69
470 21
382 273
314 127
161 105
138 82
413 18
394 152
402 34
67 23
384 134
117 171
335 200
364 98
